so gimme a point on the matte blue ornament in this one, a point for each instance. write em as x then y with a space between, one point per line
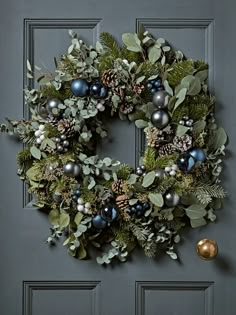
198 154
98 222
80 87
109 213
185 162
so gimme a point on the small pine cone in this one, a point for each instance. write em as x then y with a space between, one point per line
126 108
183 143
117 186
138 88
166 149
109 78
66 127
122 202
155 137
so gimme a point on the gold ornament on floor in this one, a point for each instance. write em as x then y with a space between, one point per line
207 249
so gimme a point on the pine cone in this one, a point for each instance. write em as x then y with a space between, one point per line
122 202
138 88
109 78
66 127
117 186
126 108
166 149
183 143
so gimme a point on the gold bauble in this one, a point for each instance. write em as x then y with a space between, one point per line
207 249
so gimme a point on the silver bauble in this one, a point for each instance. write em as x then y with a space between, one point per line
160 119
160 173
53 104
172 199
66 143
42 111
160 99
71 169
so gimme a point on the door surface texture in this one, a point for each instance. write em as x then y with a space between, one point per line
38 280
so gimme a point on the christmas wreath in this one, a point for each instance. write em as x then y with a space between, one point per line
98 202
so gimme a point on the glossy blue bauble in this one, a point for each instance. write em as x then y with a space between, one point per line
98 222
98 91
80 87
77 193
153 90
74 198
185 162
198 154
146 206
109 213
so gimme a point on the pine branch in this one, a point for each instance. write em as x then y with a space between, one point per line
139 232
179 71
124 171
150 249
206 192
110 44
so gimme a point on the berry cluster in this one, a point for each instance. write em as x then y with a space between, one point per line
186 121
81 205
39 134
139 208
62 144
171 170
155 85
140 170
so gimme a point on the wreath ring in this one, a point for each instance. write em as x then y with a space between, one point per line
103 203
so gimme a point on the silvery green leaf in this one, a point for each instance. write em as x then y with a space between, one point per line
133 201
99 47
82 228
106 259
51 143
172 255
93 54
161 41
163 60
82 157
140 79
156 199
202 75
64 220
219 139
61 106
37 68
92 183
29 65
70 49
107 161
140 123
181 130
195 87
167 87
196 211
78 218
148 212
166 48
210 215
35 152
86 170
132 42
199 126
187 81
106 176
100 260
132 179
180 97
154 53
153 77
177 239
72 33
195 223
53 217
29 76
149 179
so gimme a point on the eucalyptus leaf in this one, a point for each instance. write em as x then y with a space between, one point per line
195 223
82 254
180 97
53 217
132 42
140 79
64 220
132 179
35 152
78 218
149 179
219 138
167 87
202 75
154 53
156 199
199 126
181 130
195 87
196 211
140 123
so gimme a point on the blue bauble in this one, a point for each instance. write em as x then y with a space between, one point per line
98 222
153 90
80 87
109 213
149 85
198 154
98 91
75 198
146 206
185 162
77 193
157 83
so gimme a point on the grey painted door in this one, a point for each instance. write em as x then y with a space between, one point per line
35 280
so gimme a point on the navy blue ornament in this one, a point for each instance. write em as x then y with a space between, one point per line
77 193
185 162
74 198
109 213
155 85
146 206
98 222
98 91
139 209
198 154
80 87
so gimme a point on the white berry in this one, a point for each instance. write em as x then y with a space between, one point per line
38 140
42 137
41 127
86 210
100 107
174 167
172 173
80 208
87 205
167 169
80 201
37 133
